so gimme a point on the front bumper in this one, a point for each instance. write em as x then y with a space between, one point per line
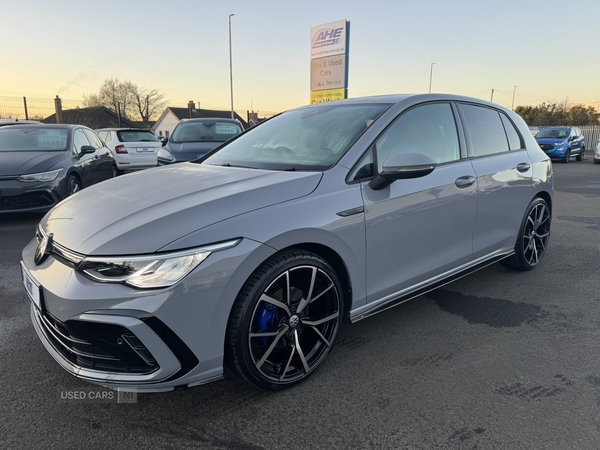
16 196
553 153
120 337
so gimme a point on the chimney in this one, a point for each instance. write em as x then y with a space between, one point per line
58 109
191 107
252 118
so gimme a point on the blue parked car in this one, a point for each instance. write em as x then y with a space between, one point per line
562 142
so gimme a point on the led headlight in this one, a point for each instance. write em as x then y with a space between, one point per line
148 271
43 176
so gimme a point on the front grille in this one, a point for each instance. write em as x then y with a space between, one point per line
59 251
29 200
98 346
546 147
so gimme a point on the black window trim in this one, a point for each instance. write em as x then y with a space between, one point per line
470 152
372 146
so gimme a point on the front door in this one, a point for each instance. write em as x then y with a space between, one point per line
419 228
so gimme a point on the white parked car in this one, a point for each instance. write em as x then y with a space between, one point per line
597 153
133 149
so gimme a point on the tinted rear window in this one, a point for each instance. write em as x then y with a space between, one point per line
136 136
205 131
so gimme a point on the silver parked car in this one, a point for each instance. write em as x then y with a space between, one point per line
255 253
132 148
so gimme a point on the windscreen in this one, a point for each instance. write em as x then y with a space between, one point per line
553 133
311 138
22 138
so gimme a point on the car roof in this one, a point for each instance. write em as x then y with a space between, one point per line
4 122
393 99
211 119
49 125
122 129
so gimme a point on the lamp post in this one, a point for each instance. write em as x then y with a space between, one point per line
512 108
430 75
230 67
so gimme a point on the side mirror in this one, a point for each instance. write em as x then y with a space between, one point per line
85 149
402 166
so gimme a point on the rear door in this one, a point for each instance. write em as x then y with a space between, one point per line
504 177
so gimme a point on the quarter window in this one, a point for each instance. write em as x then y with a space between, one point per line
485 130
514 138
427 129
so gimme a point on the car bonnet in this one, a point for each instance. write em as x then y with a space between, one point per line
21 163
142 212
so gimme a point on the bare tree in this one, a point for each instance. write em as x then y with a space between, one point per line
148 102
114 94
134 101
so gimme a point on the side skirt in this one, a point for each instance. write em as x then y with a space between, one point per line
410 293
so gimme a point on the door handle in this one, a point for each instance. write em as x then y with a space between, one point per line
523 167
466 181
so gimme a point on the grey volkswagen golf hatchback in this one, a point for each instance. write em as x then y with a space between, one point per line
254 254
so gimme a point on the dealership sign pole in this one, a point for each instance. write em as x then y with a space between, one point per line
329 45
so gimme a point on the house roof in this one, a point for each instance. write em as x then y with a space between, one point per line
184 113
94 117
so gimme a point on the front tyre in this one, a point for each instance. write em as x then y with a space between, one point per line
533 237
73 185
285 320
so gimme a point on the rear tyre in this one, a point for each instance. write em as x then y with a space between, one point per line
596 161
533 237
285 320
580 156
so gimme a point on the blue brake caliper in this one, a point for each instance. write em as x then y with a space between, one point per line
263 320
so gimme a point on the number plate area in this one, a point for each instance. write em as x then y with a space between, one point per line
32 287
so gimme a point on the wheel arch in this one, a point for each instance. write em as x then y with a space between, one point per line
336 262
65 182
547 198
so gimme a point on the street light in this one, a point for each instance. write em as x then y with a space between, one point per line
230 66
430 75
512 108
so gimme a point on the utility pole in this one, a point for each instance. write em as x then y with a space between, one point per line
492 97
512 108
430 75
230 66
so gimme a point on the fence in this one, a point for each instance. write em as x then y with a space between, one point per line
591 135
31 108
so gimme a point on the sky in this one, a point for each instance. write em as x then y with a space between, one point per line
547 49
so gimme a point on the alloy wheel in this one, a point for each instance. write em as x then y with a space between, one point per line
536 234
293 324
